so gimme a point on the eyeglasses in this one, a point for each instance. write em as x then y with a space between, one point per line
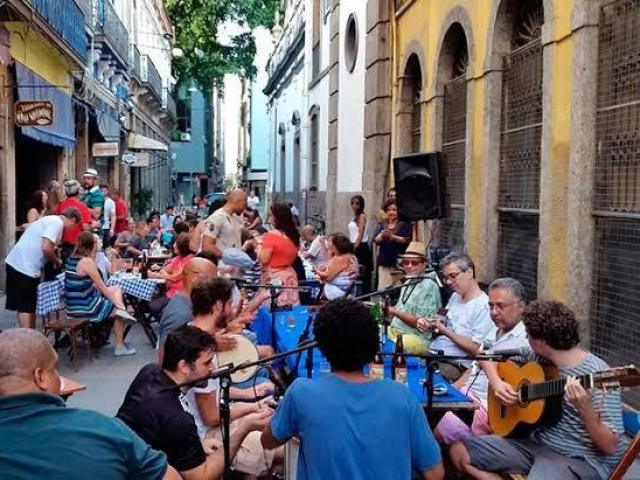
500 306
412 263
451 276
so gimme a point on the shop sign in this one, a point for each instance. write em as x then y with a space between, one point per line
142 159
105 149
33 113
129 158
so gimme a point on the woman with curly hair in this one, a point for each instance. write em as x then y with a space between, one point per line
277 250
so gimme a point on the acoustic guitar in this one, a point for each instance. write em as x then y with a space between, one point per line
540 394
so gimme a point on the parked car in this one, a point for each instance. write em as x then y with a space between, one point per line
213 196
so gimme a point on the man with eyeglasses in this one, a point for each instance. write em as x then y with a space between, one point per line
417 300
506 303
468 322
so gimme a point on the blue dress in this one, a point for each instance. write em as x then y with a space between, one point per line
81 296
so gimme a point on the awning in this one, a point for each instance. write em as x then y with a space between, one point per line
140 142
31 86
109 127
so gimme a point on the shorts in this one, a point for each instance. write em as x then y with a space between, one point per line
22 291
506 455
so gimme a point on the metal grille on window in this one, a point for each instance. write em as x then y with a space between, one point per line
521 136
454 152
615 304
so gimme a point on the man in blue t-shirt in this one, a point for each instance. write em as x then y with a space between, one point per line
350 425
41 438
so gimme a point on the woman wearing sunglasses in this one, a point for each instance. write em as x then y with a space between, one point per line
418 300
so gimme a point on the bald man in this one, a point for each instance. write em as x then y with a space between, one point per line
223 228
40 437
178 310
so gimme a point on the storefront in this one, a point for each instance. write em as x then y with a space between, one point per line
40 74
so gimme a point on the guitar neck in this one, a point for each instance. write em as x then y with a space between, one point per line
552 388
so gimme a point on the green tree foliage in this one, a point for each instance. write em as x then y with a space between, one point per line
196 27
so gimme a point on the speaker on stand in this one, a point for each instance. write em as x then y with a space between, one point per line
420 189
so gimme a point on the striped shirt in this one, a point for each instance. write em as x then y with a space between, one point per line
569 436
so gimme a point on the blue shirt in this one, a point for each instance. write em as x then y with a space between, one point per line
372 430
41 438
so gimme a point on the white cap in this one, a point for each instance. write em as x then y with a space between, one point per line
90 172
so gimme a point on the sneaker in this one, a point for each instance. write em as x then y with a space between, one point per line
124 351
125 315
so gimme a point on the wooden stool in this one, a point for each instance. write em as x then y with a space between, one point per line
58 322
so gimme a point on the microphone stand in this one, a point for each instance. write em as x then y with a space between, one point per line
224 374
274 293
430 359
304 337
386 299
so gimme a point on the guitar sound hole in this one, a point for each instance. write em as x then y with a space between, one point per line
524 393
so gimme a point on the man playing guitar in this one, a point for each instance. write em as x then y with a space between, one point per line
587 440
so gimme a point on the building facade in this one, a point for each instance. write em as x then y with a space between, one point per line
534 105
80 57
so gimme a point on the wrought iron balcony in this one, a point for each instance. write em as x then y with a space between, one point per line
111 29
67 20
134 62
149 75
169 105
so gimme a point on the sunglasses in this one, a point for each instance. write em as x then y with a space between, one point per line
412 263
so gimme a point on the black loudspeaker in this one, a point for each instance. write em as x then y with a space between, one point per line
419 186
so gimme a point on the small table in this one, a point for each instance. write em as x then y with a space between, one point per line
68 387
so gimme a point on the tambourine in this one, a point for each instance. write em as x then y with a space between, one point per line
244 352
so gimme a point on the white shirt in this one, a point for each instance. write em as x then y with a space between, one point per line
109 213
253 202
166 221
354 230
26 256
294 211
478 383
470 319
213 385
319 256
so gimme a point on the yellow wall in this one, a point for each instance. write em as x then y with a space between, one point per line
32 50
423 23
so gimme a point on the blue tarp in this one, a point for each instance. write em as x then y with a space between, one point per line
31 86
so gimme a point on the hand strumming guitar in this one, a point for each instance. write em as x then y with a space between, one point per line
504 392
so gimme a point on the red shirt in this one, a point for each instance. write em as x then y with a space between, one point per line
70 236
283 250
121 211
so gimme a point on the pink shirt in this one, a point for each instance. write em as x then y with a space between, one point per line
176 266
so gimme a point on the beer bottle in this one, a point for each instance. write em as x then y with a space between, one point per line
400 367
144 268
376 367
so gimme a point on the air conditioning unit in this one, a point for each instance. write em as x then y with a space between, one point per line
185 137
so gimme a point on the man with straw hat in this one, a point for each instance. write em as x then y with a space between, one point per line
418 300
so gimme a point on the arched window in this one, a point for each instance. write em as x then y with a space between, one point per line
520 144
314 149
409 120
452 69
615 305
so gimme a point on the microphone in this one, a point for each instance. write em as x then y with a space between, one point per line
509 352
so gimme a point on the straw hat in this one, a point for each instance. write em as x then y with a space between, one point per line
415 249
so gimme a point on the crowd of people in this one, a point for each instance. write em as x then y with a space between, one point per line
350 425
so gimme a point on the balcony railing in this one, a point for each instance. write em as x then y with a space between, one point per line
134 62
169 104
150 75
66 19
114 31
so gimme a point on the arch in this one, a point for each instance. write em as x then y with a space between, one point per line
460 16
414 49
409 111
295 118
499 34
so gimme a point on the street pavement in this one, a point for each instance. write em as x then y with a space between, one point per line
107 377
